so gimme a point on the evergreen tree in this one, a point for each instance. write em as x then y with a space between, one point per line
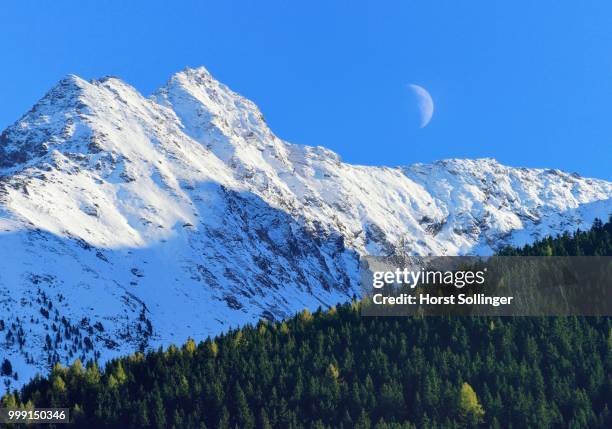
469 407
6 368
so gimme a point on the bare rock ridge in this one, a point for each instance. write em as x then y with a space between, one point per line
129 222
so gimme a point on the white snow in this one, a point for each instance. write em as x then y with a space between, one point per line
184 211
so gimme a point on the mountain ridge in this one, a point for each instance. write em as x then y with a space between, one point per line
138 221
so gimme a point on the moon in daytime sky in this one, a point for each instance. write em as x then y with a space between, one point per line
424 103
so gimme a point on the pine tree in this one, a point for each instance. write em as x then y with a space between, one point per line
244 417
6 368
469 407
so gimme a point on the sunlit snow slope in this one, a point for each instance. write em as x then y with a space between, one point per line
129 222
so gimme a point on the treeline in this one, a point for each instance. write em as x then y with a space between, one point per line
595 242
337 369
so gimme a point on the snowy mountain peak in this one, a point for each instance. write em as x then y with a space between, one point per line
208 108
67 120
33 134
182 214
70 85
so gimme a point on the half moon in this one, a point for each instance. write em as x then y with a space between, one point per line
424 102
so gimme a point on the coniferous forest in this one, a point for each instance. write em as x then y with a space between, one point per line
337 369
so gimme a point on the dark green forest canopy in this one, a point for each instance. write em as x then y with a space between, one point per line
337 369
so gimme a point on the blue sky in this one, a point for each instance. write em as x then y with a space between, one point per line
526 82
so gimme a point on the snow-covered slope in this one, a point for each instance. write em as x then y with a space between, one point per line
128 222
